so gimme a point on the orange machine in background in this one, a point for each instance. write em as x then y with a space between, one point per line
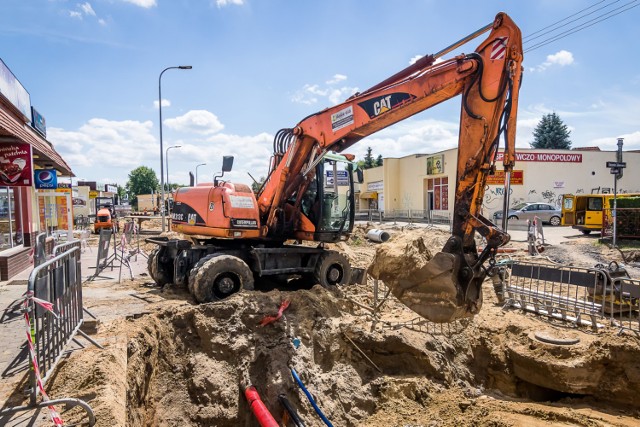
103 220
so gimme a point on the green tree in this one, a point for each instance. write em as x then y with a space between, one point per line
379 160
142 180
255 186
121 193
368 159
551 132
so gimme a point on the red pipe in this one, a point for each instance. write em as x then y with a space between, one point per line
262 414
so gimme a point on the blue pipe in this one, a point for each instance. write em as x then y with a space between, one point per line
311 400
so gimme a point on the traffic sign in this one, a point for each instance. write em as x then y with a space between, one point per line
614 171
618 165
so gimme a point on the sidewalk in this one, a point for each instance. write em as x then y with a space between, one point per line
99 296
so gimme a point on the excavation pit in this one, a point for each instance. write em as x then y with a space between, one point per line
187 365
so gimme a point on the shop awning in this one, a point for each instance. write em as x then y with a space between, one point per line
12 127
369 195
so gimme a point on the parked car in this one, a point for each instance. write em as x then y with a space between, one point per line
547 212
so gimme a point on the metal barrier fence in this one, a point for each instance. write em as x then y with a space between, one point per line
576 294
411 216
624 300
54 315
564 293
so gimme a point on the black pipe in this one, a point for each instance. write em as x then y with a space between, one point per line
290 410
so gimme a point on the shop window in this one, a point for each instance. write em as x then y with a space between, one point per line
10 218
440 188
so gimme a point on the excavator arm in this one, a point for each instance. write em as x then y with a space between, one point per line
449 287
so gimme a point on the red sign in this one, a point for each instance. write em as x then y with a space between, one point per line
15 165
544 157
517 178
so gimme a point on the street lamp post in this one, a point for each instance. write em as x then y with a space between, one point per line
201 164
167 160
181 67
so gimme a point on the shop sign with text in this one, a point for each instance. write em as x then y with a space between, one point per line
15 165
544 157
517 178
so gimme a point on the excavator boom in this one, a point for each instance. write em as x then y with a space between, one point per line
488 80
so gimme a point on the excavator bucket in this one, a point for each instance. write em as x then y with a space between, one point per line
432 291
441 288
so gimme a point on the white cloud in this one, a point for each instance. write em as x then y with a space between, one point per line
311 93
223 3
101 148
106 143
165 103
196 121
561 59
142 3
336 79
102 22
87 9
75 14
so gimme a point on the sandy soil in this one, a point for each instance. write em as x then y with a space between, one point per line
180 364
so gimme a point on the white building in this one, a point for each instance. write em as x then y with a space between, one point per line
422 182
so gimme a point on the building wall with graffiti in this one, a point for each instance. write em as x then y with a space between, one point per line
427 181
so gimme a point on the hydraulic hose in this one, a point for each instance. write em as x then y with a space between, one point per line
262 414
310 398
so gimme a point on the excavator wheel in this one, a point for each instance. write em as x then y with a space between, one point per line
332 269
156 271
219 277
194 270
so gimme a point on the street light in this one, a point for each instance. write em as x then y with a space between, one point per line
201 164
181 67
167 160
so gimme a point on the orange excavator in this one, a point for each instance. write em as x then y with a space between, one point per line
237 237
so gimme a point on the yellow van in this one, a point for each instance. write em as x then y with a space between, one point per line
588 212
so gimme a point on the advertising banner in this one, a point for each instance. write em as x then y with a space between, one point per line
15 165
435 164
45 179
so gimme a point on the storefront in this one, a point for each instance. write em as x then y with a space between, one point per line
24 154
426 183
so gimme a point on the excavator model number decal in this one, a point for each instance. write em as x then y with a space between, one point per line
381 104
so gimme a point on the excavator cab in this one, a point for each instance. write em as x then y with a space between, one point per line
328 201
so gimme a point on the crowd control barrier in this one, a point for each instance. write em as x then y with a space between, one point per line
53 313
566 293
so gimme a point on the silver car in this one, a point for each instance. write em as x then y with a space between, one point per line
545 211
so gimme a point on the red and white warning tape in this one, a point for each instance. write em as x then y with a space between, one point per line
55 417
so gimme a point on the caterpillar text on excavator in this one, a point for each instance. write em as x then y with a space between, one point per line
237 237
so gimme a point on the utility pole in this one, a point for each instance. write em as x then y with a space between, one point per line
616 170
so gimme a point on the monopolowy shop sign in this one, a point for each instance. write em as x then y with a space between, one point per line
545 157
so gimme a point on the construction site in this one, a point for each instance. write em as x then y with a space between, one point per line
412 295
364 357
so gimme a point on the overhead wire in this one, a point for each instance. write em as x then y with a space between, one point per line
529 37
583 25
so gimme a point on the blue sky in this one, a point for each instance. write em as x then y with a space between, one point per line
91 68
